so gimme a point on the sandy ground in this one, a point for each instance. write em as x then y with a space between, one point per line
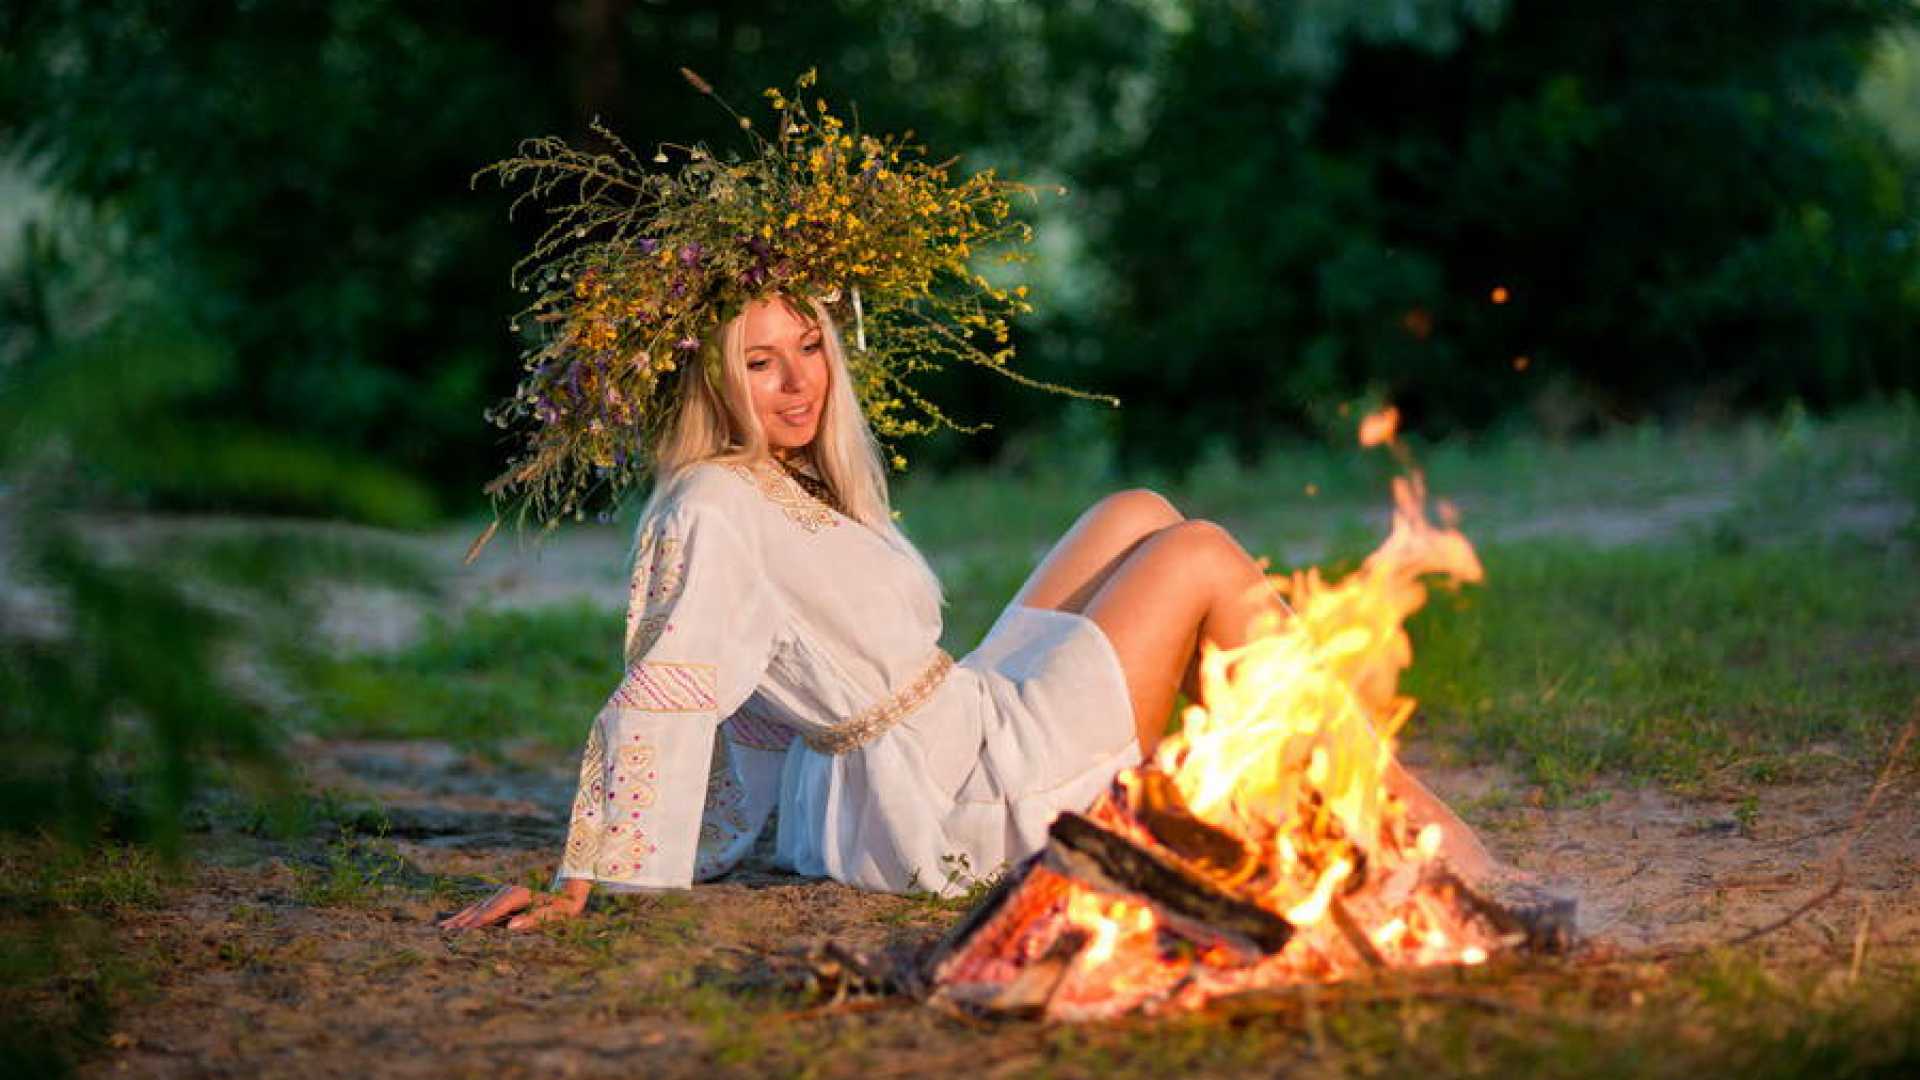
257 970
259 978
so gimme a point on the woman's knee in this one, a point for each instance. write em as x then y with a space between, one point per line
1138 511
1202 535
1207 547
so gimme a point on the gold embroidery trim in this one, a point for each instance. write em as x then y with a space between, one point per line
868 726
658 569
783 491
585 829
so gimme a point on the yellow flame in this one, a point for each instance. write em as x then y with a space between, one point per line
1428 843
1289 749
1108 919
1294 736
1314 907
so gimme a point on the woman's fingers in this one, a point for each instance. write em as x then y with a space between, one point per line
545 909
505 901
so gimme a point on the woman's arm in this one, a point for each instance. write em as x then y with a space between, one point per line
704 622
540 908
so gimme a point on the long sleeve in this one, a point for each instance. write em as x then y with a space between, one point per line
742 790
702 626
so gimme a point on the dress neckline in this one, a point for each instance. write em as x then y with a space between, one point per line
783 487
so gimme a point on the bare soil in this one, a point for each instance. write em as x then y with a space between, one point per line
310 960
254 974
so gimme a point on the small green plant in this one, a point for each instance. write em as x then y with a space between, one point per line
355 871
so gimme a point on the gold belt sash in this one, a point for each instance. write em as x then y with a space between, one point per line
868 725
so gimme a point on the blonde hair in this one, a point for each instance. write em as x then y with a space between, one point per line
715 421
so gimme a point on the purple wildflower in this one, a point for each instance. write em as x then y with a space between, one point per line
687 344
690 255
648 245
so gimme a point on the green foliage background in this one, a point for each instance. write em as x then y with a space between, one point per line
241 267
1274 208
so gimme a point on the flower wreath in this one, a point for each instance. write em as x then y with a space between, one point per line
637 271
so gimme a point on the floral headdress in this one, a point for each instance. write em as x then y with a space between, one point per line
636 273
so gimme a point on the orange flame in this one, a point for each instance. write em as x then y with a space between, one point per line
1295 738
1292 746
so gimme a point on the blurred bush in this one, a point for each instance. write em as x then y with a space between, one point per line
1636 207
1583 211
135 664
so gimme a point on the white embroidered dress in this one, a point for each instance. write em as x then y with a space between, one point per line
781 654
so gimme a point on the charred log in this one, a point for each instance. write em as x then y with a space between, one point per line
1105 861
1027 993
972 933
1158 805
1543 920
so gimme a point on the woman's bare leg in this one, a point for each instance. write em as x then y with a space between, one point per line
1090 551
1187 583
1462 847
1191 582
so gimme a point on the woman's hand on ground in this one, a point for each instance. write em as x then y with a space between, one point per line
522 907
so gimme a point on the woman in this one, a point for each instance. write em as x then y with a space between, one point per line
773 592
782 635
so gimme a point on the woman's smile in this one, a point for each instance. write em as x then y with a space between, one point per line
787 374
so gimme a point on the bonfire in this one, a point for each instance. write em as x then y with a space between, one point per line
1262 845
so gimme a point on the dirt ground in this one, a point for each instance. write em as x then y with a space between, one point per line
318 960
261 972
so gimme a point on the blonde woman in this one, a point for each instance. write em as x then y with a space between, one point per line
782 651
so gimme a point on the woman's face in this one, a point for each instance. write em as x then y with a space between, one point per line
786 372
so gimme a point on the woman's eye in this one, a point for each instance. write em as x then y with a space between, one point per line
757 364
811 346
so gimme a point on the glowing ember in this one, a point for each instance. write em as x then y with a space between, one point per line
1381 427
1111 920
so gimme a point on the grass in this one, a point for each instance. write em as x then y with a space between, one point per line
356 871
1723 1015
1675 663
1615 635
1772 624
42 876
62 972
491 675
1712 1014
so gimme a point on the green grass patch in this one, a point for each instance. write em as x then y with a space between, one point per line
1722 1016
44 876
1727 1014
357 871
1674 662
489 675
1753 610
63 973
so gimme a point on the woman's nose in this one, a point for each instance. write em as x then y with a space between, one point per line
793 376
